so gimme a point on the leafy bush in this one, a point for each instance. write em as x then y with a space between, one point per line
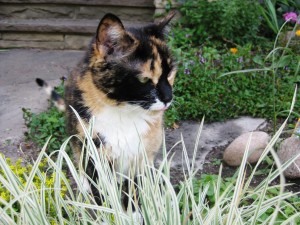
200 89
262 86
235 21
43 125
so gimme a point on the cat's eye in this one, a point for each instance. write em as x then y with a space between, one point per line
144 79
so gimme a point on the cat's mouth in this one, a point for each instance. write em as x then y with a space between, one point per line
160 106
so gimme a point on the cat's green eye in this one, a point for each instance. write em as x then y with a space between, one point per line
144 79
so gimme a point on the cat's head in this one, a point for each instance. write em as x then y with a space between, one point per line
134 65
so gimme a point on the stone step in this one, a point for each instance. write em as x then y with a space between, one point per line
43 9
131 3
49 33
68 24
83 26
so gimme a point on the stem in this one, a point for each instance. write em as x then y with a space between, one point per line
274 71
274 102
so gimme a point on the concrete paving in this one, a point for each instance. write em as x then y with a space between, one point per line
18 70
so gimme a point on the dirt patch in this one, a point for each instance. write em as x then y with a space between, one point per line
214 159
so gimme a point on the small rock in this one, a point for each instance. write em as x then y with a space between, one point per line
233 154
288 149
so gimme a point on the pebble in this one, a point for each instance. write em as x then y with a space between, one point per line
233 154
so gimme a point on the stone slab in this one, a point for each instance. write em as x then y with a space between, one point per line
54 11
213 135
125 13
82 26
32 11
79 42
32 44
32 37
131 3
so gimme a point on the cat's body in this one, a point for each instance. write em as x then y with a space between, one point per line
125 83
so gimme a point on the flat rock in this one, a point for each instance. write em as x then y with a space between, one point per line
234 153
288 149
213 135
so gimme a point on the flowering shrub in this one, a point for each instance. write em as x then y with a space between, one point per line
203 57
45 180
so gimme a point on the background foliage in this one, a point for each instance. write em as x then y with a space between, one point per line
230 43
234 20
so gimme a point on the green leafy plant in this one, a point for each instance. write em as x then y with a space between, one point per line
201 90
234 21
45 124
273 11
282 65
268 11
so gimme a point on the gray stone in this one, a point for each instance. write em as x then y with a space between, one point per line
213 135
32 37
31 44
50 26
288 149
125 13
78 42
19 11
234 153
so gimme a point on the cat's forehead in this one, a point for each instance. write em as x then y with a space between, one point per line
150 43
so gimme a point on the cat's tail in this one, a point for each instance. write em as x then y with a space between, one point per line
55 97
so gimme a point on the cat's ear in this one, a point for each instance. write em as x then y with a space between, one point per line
163 24
161 28
111 34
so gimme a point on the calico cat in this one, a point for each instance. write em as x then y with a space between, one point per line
125 82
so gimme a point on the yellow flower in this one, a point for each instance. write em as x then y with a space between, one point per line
297 33
5 196
233 50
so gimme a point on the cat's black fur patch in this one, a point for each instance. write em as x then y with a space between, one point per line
79 106
99 140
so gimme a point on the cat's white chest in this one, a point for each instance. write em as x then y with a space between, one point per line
122 128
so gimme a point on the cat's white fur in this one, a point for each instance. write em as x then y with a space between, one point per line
123 128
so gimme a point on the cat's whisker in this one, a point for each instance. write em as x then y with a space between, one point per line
175 103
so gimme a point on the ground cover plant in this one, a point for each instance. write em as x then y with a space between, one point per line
213 200
40 126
